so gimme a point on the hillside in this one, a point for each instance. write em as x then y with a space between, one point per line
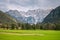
53 16
5 18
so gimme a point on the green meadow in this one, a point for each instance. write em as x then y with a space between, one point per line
29 35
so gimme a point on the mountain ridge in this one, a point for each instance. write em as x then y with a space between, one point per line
6 18
53 16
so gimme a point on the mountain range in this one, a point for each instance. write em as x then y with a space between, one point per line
31 16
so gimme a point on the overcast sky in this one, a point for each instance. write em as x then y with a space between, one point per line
24 5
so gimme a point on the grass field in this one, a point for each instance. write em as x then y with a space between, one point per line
29 35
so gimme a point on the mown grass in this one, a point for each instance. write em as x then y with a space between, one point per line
48 35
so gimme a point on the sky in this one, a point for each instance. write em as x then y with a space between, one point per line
24 5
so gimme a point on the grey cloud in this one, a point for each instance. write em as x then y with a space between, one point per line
23 2
48 3
4 4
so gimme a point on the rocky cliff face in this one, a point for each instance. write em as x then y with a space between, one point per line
53 16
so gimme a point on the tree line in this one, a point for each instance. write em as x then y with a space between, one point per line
27 26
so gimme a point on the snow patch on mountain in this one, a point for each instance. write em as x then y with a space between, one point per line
31 16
